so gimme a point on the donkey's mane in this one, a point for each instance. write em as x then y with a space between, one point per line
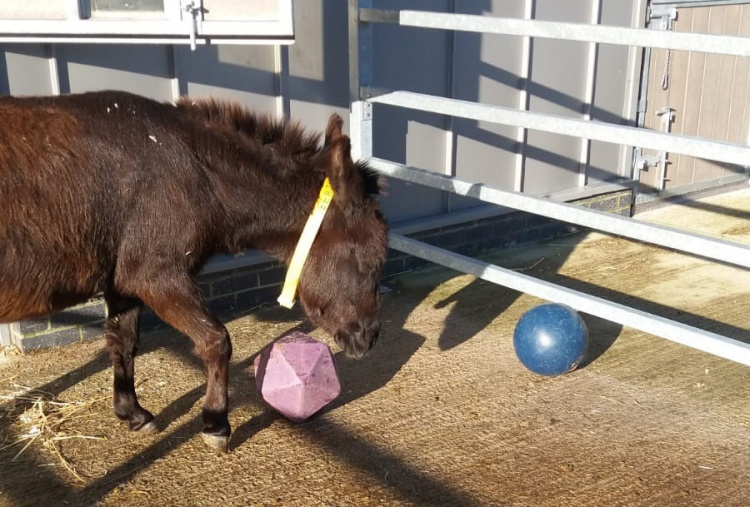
289 138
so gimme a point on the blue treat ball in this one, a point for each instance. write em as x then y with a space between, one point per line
551 339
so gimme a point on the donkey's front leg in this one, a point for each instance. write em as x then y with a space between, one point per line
183 308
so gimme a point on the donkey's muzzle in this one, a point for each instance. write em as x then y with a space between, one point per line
357 338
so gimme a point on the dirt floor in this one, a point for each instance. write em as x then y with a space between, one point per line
440 414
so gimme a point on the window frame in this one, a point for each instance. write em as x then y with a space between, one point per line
181 23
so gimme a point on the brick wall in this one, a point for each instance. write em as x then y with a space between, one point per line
247 288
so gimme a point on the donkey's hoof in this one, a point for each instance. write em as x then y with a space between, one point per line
218 443
148 429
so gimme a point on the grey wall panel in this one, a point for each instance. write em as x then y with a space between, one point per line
487 69
141 69
26 69
411 138
557 86
316 83
415 60
319 59
242 73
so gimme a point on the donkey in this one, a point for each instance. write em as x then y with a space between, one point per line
112 193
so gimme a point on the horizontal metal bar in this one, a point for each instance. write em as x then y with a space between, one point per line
699 339
678 193
599 131
705 43
710 248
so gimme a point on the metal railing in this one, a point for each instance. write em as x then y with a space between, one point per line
363 95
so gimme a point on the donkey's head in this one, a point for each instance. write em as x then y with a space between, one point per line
338 288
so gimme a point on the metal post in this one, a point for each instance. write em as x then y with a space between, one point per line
5 336
588 95
360 74
522 134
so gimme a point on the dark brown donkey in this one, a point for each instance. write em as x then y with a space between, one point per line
117 194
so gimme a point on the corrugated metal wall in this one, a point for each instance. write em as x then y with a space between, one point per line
542 76
710 95
309 80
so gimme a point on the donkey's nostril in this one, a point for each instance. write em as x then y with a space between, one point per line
373 330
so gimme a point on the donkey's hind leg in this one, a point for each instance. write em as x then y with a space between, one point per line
122 341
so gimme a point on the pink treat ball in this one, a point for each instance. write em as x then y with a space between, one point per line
296 375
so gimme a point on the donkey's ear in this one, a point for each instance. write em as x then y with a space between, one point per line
333 130
345 179
339 164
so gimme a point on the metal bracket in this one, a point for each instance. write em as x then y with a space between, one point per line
666 16
667 117
643 162
366 110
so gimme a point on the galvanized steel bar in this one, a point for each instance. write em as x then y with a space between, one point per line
699 339
705 43
710 248
618 134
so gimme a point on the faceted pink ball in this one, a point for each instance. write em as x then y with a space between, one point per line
296 375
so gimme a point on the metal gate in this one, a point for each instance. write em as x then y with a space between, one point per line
693 94
364 96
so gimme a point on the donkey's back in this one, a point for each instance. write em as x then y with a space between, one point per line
85 179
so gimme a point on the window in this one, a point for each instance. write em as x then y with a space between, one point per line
138 21
123 6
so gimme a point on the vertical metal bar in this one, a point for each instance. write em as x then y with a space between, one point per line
281 71
588 95
54 71
360 75
522 134
174 71
449 169
76 9
5 335
637 78
354 84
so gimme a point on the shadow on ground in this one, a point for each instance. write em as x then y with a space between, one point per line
28 480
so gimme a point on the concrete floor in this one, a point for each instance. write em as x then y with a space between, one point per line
440 414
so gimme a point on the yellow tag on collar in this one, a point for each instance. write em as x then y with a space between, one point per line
304 244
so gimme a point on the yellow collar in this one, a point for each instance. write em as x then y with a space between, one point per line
301 251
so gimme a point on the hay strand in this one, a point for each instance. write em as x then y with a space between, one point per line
43 420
